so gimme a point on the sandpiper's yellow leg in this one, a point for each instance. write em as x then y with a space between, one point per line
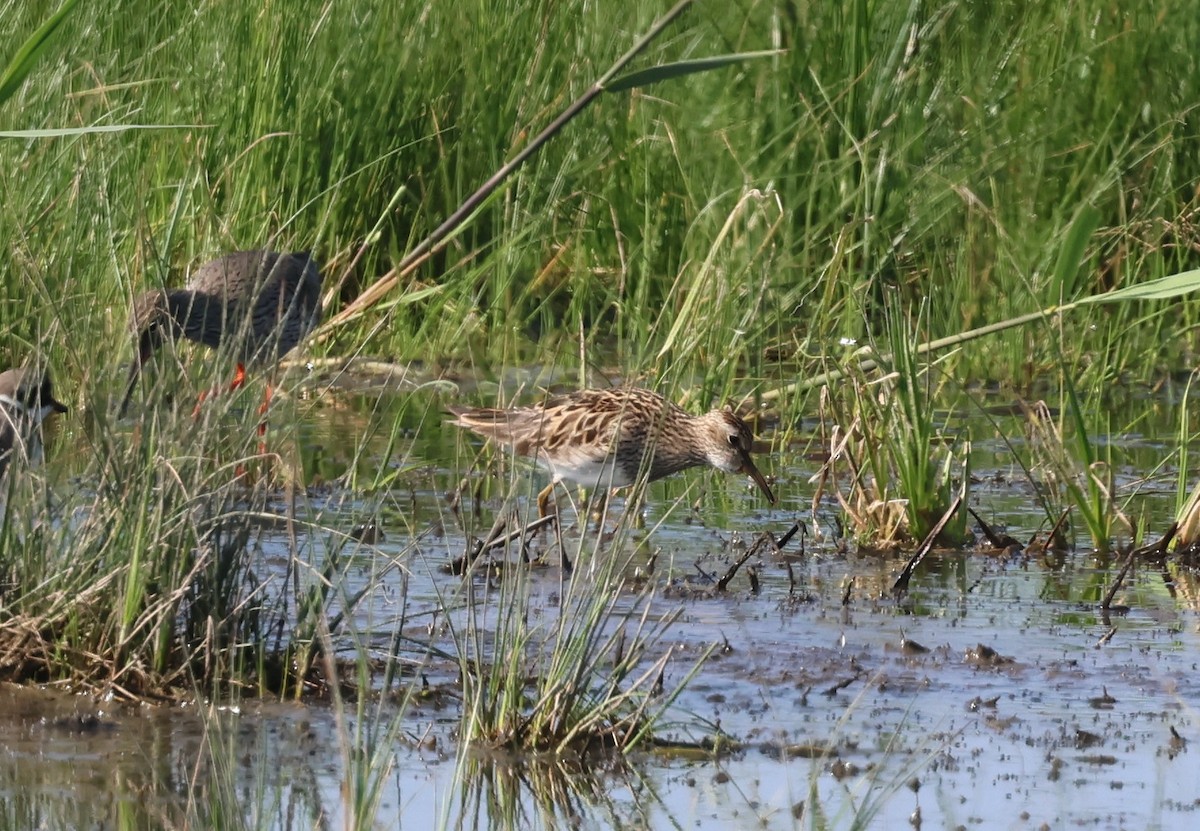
599 504
543 500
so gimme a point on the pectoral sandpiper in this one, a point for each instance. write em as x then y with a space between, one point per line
26 399
607 437
258 304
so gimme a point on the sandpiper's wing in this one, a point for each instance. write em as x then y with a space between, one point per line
518 428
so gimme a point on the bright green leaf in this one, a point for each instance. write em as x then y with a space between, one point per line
27 54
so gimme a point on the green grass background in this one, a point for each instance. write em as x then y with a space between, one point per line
897 172
727 228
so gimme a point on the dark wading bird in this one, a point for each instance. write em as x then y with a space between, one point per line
258 305
606 437
26 399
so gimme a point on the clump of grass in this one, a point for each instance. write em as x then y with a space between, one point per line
1187 499
895 473
148 579
1075 470
572 678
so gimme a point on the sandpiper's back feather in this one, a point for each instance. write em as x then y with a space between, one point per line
611 435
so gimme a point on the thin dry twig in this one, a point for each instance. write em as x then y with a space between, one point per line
1158 547
901 584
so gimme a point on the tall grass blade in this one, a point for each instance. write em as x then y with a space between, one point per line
1164 288
678 69
59 132
1075 245
27 55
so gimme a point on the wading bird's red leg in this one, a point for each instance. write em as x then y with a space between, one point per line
199 402
239 379
262 419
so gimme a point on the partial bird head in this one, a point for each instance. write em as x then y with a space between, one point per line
26 393
151 323
727 444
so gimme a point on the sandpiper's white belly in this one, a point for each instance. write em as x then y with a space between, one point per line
587 471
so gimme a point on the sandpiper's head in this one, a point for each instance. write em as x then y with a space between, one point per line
727 446
151 323
28 394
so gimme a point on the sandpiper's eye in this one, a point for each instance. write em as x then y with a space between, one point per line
734 440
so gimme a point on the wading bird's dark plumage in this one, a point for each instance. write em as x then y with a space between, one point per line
257 304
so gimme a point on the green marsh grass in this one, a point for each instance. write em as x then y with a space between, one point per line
719 233
583 675
137 583
895 472
927 148
931 467
1073 460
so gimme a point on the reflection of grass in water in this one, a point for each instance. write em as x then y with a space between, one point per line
504 790
861 802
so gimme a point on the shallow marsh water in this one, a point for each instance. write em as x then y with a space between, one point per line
1060 726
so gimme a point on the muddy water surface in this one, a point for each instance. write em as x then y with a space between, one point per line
995 695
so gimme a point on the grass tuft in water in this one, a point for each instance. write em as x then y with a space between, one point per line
895 473
147 580
581 673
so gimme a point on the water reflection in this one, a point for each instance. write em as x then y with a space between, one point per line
72 762
510 792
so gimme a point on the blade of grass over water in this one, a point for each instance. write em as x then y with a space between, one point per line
1164 288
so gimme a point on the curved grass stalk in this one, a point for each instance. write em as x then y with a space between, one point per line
607 82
